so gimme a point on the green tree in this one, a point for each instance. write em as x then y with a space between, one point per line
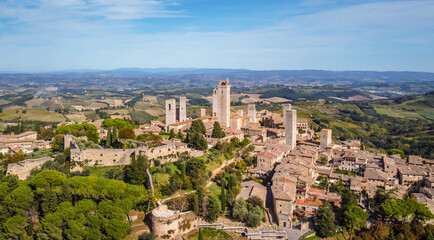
180 135
254 217
135 173
213 209
57 143
114 137
195 204
14 226
325 221
200 235
198 126
147 236
354 217
239 210
397 151
255 201
172 134
49 201
197 140
348 199
19 200
108 141
217 131
127 133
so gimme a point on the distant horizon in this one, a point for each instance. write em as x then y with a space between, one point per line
177 69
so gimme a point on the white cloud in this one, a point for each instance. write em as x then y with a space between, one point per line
377 36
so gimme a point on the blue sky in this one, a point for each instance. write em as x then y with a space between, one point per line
51 35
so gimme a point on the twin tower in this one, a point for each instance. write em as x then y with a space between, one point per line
174 113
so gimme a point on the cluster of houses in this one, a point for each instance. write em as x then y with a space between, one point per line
293 174
24 142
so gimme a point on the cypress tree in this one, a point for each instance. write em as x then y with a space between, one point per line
114 134
217 131
108 141
180 135
196 204
223 196
172 134
200 235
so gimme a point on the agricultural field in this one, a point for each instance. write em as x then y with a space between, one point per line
397 113
33 114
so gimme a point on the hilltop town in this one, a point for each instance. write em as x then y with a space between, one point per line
267 173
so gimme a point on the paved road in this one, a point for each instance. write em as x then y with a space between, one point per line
270 206
294 234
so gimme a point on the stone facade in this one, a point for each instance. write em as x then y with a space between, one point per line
23 168
170 111
119 157
202 112
182 109
326 138
286 107
169 224
221 103
251 112
291 128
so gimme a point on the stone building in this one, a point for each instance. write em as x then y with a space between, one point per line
170 112
119 157
169 224
291 127
182 109
202 112
286 107
175 114
251 112
221 103
23 168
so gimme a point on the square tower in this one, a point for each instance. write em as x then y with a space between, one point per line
170 112
251 112
326 138
182 109
291 128
202 112
221 103
286 107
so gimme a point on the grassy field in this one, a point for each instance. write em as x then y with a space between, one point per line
344 125
427 113
141 116
397 113
211 234
35 114
215 191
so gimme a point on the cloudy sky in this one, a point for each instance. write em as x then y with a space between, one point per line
51 35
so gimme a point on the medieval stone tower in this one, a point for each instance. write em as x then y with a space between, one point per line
291 127
251 112
170 112
221 103
182 109
286 107
326 138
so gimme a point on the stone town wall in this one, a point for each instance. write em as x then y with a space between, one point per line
118 157
23 168
169 224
